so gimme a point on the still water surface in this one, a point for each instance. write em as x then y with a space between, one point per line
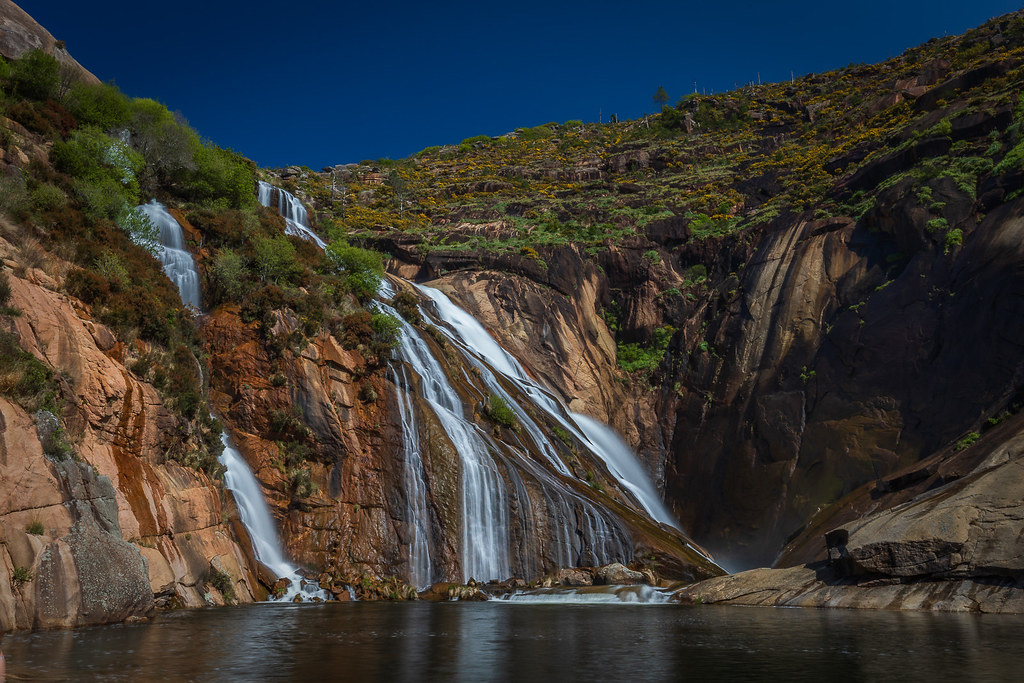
510 642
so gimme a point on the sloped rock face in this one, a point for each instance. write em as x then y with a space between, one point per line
836 370
954 546
350 520
119 526
20 33
815 586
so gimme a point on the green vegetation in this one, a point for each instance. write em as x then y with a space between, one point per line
361 269
26 380
641 358
35 528
966 441
500 412
223 582
21 576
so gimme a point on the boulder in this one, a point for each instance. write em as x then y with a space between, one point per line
617 574
577 576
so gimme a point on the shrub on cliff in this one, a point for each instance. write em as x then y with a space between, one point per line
25 379
500 412
36 75
362 269
101 105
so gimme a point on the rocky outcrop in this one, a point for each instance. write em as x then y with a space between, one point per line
120 527
954 546
349 520
20 33
815 586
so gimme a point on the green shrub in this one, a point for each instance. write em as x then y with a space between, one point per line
562 435
385 328
23 378
362 269
228 273
408 306
222 582
21 576
1014 159
966 441
535 133
954 238
301 480
937 224
46 197
35 528
221 180
5 291
101 105
500 412
275 259
636 357
36 75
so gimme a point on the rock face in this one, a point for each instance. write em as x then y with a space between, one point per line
345 522
836 356
355 517
815 586
955 546
120 526
20 33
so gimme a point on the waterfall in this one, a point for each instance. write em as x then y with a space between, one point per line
176 260
252 507
296 218
485 540
507 494
599 439
415 485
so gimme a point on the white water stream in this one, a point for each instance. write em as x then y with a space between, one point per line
296 218
596 595
600 439
176 260
180 268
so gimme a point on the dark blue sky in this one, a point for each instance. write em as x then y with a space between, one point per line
321 82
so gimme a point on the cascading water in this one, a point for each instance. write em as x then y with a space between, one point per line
415 484
252 507
176 260
598 438
296 218
485 542
595 595
508 498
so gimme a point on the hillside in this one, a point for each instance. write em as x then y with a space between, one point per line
808 283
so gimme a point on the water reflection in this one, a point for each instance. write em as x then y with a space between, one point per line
477 642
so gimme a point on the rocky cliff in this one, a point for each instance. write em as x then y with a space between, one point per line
96 523
833 260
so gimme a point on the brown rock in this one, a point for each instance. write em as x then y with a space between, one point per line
618 574
577 576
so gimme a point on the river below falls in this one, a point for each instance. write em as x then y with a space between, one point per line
526 642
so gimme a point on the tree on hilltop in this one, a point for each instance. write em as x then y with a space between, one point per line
660 98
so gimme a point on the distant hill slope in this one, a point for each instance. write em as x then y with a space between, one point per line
20 33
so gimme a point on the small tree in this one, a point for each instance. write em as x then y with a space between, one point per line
660 98
36 75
